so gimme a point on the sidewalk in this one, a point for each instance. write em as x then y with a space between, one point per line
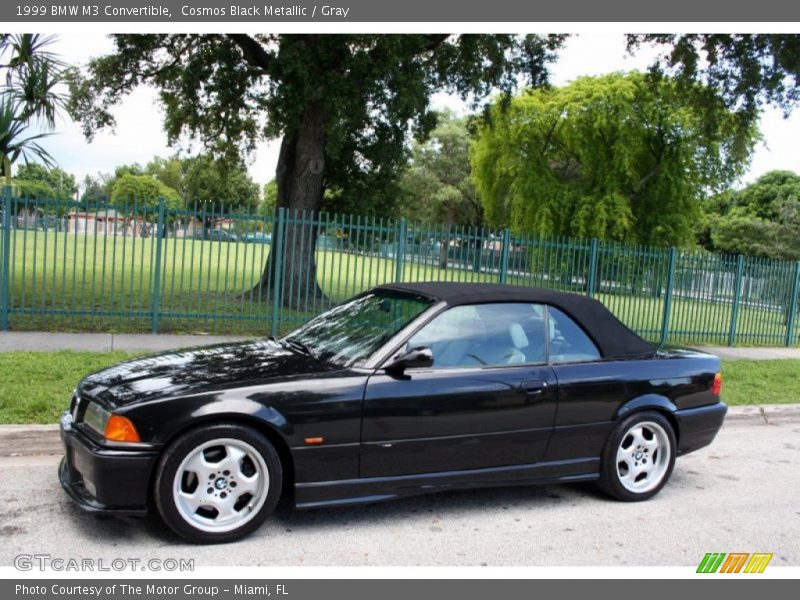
727 353
37 341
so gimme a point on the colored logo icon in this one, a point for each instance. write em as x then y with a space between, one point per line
734 562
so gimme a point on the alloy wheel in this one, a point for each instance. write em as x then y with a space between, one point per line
221 485
643 457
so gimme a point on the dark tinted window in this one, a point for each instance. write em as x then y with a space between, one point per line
568 342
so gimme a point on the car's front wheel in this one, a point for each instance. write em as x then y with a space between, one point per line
638 457
218 483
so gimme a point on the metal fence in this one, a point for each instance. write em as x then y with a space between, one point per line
136 267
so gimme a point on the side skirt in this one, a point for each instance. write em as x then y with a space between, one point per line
375 489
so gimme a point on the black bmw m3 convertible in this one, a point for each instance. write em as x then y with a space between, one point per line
405 389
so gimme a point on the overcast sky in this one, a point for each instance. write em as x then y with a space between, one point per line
139 135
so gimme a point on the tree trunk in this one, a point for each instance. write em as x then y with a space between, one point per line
300 178
444 248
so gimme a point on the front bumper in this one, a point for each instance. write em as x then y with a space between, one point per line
104 480
699 426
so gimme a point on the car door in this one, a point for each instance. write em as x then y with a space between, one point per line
590 390
487 401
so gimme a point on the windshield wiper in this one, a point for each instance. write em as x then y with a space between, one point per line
297 345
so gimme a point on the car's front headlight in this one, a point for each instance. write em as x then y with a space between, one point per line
115 428
96 417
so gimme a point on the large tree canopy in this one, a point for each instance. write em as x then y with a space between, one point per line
746 71
621 157
343 105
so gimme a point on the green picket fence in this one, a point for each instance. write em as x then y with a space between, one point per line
136 267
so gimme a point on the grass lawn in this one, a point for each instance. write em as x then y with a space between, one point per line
753 382
35 387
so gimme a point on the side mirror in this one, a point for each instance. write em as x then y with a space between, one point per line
407 359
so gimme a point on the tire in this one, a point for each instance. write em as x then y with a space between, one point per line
638 457
218 483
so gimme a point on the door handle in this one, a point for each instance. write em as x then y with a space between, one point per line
533 387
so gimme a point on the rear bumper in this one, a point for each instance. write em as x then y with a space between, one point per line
697 427
103 480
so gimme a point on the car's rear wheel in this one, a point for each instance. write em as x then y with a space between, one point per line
218 483
638 457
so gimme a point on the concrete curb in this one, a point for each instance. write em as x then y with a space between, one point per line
29 440
32 440
769 414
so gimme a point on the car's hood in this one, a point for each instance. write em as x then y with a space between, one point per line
198 370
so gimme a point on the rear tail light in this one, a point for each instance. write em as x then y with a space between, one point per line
716 389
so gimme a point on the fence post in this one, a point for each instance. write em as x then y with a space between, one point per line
477 257
737 289
591 280
5 266
673 254
400 253
504 256
793 305
157 272
277 268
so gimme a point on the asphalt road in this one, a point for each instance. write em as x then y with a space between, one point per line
741 494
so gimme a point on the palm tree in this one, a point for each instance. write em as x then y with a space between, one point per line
29 93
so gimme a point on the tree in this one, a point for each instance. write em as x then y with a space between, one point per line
436 186
343 105
747 71
29 94
96 189
23 188
143 192
169 171
62 183
762 219
198 180
205 181
269 198
619 157
217 185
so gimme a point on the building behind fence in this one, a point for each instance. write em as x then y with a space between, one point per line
143 267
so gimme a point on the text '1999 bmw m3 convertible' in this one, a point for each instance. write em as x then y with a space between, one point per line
404 389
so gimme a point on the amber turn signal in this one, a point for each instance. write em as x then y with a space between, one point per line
716 389
120 429
313 441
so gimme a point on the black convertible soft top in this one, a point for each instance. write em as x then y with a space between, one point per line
613 338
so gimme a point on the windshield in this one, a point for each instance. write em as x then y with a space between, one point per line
349 333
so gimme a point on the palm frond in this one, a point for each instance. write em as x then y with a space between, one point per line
14 140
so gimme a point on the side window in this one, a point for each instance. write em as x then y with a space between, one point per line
485 334
568 342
